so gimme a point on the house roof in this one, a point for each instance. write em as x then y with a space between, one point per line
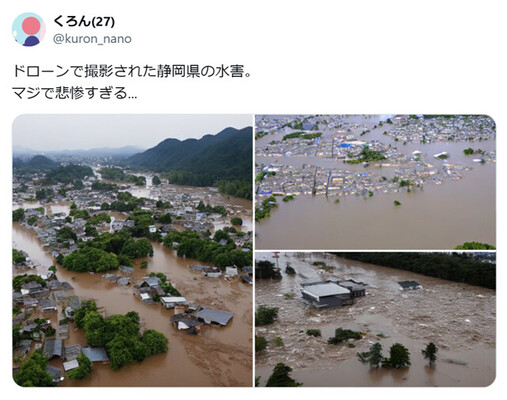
217 316
152 281
54 372
95 354
67 366
324 289
53 347
47 303
72 352
407 284
173 299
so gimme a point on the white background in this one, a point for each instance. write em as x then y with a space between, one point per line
304 57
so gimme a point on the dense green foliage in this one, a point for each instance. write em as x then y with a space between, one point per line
373 357
18 257
90 259
260 343
340 335
209 209
85 368
20 280
367 155
399 357
156 180
18 215
207 250
313 332
32 372
265 269
281 378
236 221
455 267
43 193
224 156
302 135
120 336
68 174
474 246
136 180
83 214
265 315
106 252
112 174
265 208
125 202
236 188
288 198
104 187
430 353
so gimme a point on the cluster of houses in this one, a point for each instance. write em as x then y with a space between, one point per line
230 273
187 316
54 303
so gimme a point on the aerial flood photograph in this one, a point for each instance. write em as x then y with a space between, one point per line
402 319
375 182
132 250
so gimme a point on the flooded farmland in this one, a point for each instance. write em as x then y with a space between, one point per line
218 357
460 319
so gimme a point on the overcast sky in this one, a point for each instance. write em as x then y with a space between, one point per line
80 131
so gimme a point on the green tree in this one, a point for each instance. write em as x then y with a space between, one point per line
236 221
165 218
430 353
18 215
32 372
281 378
156 180
155 341
85 368
260 343
399 357
265 315
373 357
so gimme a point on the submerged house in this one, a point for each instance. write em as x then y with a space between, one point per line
326 294
173 301
410 285
357 289
210 316
53 348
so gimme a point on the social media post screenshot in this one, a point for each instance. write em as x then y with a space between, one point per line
244 196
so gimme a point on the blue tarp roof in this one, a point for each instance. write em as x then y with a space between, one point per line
345 145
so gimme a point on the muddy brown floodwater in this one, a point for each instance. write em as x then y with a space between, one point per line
460 319
219 357
437 217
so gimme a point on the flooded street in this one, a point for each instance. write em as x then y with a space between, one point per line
218 357
460 319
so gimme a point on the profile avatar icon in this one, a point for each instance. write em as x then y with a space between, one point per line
28 29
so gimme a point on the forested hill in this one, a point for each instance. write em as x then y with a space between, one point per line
202 162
